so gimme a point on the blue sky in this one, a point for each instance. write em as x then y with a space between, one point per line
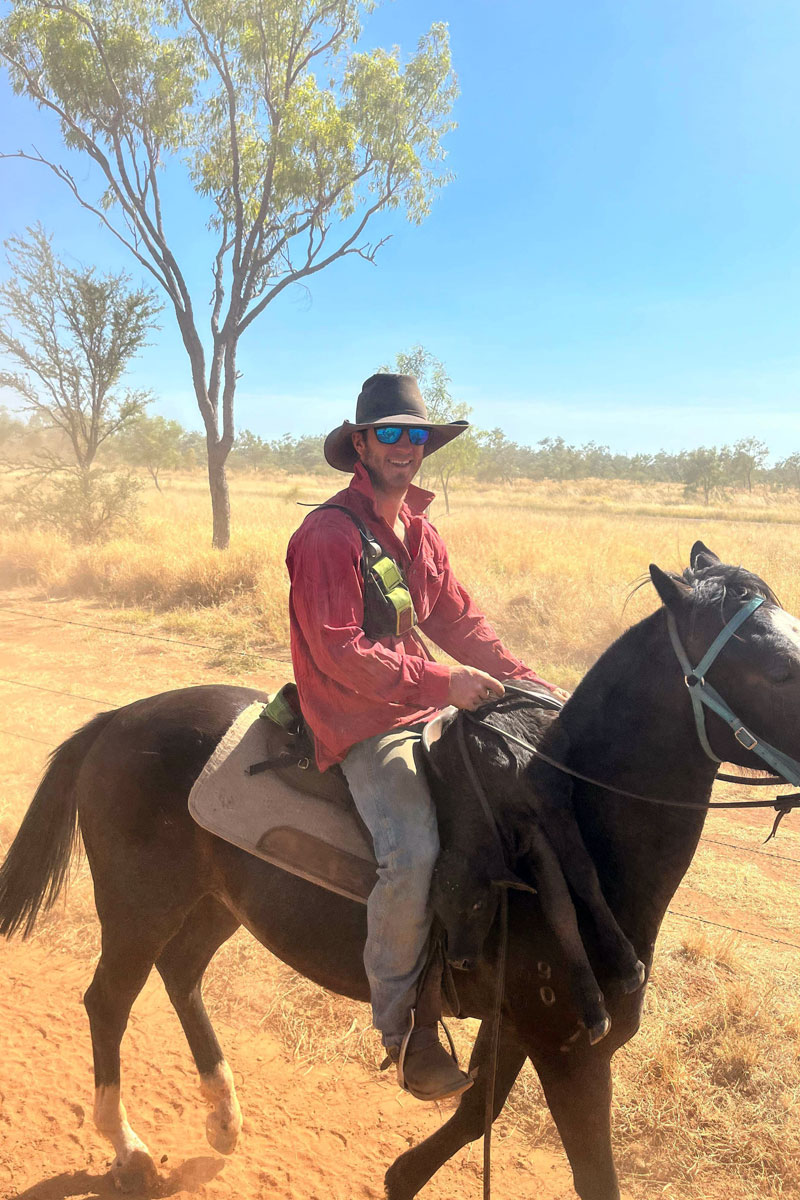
616 260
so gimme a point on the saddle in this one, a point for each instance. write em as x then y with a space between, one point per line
261 791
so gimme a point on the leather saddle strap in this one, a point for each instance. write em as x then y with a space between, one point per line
284 759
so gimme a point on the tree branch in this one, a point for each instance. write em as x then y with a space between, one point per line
63 174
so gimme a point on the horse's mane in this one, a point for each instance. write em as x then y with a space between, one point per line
713 584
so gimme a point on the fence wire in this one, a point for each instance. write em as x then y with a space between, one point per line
94 700
152 637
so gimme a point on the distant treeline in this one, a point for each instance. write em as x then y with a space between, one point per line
158 444
496 457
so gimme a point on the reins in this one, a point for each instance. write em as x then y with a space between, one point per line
780 801
497 1014
500 969
701 693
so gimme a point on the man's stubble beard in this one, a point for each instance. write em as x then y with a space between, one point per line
378 481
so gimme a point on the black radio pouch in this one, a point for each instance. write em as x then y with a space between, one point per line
388 607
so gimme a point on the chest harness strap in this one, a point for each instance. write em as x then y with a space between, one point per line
388 607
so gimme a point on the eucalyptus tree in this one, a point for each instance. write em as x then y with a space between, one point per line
745 458
703 470
153 443
460 456
789 469
68 334
295 139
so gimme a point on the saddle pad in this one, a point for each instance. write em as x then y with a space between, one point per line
303 834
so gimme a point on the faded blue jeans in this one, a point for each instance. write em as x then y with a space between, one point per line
391 793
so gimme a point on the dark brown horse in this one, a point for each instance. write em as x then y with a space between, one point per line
170 894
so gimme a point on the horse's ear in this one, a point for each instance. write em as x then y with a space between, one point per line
701 557
672 591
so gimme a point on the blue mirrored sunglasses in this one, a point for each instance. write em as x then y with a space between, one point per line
389 434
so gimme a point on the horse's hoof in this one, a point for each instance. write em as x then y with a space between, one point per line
598 1032
222 1136
396 1187
635 981
137 1174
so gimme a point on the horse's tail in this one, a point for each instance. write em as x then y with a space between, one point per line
37 865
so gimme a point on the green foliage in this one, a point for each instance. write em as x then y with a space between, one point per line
787 471
745 458
460 456
151 442
295 455
296 137
704 470
83 505
71 334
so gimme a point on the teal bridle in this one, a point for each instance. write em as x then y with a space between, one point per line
703 694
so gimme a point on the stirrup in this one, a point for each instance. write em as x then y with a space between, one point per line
401 1056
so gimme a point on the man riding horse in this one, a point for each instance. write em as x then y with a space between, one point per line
365 569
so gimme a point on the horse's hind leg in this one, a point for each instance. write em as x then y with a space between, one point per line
412 1170
121 973
181 965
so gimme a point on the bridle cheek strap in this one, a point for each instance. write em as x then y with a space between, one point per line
701 693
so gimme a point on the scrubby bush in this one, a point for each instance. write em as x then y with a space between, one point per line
81 505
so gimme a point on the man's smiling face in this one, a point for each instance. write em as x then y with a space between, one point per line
391 468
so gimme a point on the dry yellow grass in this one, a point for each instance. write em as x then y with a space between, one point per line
707 1098
552 563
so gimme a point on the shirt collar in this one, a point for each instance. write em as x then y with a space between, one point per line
416 501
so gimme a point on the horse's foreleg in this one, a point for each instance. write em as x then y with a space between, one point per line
412 1170
181 965
578 1092
121 974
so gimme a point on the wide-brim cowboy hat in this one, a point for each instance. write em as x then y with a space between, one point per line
387 399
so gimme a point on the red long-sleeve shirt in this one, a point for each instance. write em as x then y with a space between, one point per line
351 687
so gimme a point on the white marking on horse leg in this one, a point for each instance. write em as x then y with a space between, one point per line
224 1122
133 1164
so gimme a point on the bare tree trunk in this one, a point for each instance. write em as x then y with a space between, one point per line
220 500
444 490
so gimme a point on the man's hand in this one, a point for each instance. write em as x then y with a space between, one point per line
470 688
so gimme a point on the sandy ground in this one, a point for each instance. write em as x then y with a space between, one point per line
325 1132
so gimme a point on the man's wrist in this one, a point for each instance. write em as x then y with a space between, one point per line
435 685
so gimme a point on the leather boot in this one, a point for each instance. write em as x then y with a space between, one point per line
425 1068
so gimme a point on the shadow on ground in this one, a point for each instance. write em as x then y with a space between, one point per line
188 1177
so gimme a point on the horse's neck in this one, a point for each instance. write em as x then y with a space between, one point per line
629 724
